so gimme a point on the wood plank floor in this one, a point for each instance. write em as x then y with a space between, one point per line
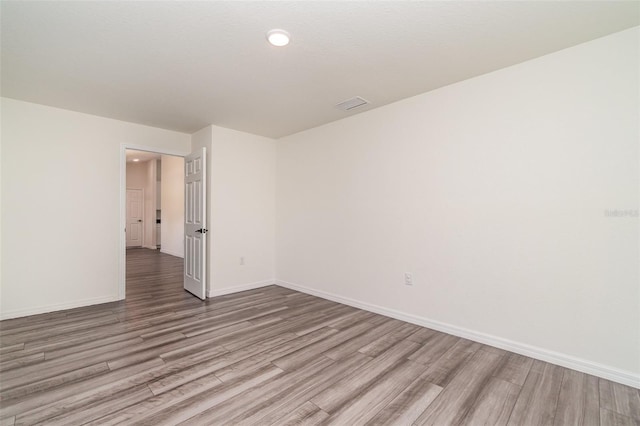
274 356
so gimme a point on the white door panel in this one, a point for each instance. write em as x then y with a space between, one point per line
134 217
195 231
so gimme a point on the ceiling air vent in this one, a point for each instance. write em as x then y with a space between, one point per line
352 103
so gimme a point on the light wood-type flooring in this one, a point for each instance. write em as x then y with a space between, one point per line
274 356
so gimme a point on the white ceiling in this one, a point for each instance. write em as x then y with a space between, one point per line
184 65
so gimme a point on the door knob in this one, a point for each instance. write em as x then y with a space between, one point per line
202 230
139 220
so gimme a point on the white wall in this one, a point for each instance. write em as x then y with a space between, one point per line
492 192
242 208
172 205
137 175
60 210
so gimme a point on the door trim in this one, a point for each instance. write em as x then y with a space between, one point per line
122 244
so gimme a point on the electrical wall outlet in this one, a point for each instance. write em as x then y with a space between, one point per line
408 278
242 260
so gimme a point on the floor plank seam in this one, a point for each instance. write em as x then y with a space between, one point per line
519 394
557 398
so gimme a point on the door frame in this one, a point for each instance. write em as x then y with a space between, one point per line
122 245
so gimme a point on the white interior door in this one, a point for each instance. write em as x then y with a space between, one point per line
195 231
135 212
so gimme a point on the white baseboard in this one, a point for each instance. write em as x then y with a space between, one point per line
604 371
172 253
150 247
58 307
238 288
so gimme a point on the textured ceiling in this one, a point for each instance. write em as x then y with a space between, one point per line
184 65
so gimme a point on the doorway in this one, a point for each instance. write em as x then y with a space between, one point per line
141 204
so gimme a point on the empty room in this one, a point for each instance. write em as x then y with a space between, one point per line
320 212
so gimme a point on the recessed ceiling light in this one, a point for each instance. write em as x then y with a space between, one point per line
135 160
278 37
